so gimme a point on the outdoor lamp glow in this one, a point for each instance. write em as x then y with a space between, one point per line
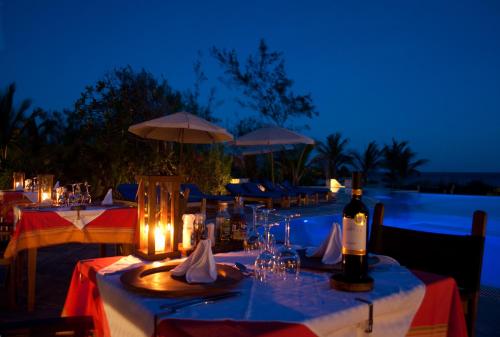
45 182
18 181
158 217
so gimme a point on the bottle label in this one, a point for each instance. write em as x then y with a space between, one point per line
354 235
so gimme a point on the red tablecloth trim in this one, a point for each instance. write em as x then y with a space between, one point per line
230 328
83 295
440 313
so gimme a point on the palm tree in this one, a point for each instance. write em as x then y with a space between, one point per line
295 163
400 162
333 155
12 121
369 161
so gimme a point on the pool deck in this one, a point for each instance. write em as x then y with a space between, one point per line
55 267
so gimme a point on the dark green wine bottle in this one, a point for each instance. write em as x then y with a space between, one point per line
355 235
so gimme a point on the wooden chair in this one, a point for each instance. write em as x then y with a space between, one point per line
78 326
457 256
6 230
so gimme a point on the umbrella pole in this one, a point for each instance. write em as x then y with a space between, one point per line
272 167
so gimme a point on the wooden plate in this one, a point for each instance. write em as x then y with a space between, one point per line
315 263
158 281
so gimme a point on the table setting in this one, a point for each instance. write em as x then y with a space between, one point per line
224 291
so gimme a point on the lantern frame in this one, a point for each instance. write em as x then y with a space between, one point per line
44 188
18 181
158 205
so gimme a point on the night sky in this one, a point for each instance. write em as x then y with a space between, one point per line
423 71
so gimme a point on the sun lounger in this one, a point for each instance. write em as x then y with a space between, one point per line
240 190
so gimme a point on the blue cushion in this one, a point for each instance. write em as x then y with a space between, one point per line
235 189
193 189
128 191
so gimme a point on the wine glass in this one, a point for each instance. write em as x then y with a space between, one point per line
288 260
265 263
253 237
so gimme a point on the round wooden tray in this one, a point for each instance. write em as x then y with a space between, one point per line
158 281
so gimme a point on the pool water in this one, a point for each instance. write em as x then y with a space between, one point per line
441 213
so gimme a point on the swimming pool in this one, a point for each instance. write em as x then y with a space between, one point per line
443 213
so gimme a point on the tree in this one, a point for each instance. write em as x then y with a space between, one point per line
334 155
12 120
369 161
400 162
98 144
265 85
295 163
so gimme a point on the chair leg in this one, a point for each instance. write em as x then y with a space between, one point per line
471 316
11 285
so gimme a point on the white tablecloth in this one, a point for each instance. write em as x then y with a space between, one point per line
309 300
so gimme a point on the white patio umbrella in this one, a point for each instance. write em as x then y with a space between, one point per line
270 137
181 127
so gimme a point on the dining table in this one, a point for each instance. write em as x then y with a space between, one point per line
44 225
10 198
402 303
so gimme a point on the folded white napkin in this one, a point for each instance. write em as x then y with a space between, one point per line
187 230
108 199
200 266
125 263
330 249
80 218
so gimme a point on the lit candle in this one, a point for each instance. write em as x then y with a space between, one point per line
160 238
45 196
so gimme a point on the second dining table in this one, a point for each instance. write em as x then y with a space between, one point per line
42 226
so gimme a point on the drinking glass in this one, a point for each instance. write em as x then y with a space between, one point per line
287 258
265 263
253 237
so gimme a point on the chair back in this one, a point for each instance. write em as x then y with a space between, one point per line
458 256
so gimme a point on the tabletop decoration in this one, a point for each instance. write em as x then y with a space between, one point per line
200 266
45 183
18 181
159 224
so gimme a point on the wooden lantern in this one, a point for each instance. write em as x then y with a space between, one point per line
159 223
18 181
45 182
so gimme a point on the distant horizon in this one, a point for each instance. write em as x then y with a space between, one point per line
423 72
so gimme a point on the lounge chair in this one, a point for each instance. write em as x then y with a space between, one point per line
239 190
314 191
196 194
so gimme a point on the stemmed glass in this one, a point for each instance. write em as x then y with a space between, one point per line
288 260
253 237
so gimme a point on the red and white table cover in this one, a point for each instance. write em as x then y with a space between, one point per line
304 307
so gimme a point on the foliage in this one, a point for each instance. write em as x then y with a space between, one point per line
400 162
296 163
369 161
104 151
210 169
12 121
264 84
333 155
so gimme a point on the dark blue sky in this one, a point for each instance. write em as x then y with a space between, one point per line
423 71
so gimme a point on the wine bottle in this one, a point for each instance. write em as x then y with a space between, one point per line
355 235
